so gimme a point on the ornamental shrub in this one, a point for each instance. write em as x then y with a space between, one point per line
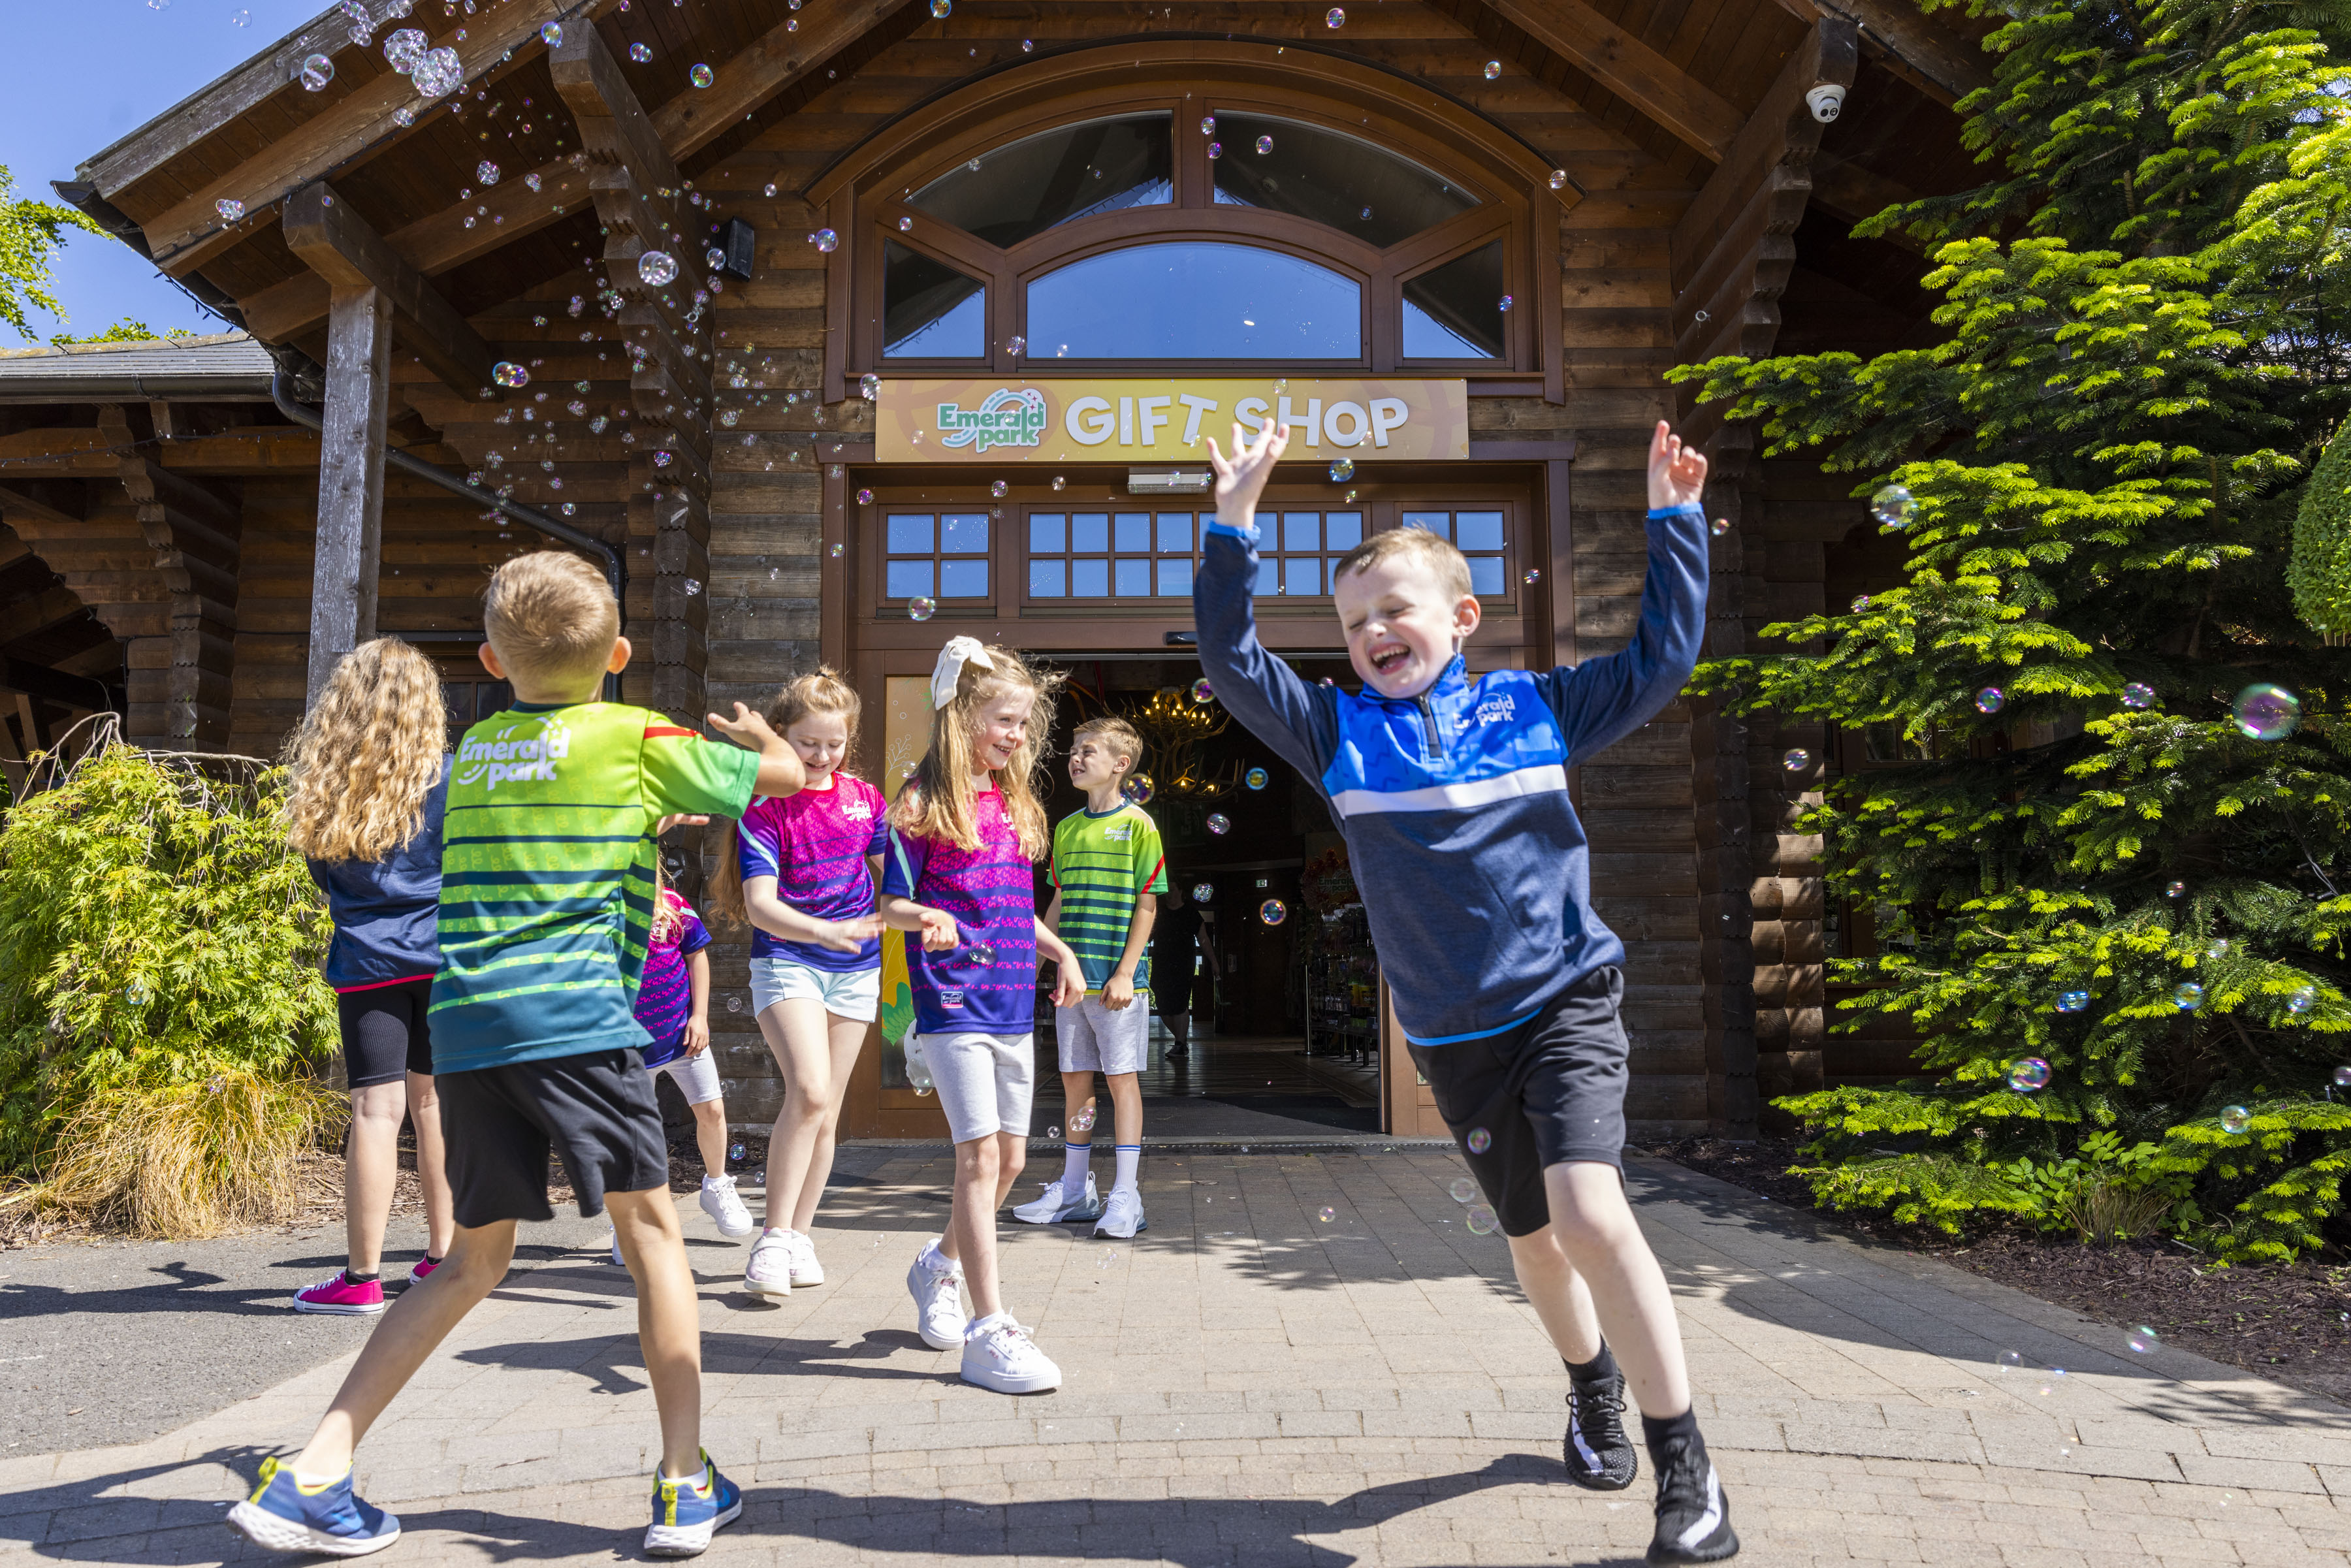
162 1013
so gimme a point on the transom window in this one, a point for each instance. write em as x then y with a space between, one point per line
1112 555
934 555
1479 536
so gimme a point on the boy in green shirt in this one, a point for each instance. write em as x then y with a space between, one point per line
1108 869
546 904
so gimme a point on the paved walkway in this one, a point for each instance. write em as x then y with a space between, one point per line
1251 1383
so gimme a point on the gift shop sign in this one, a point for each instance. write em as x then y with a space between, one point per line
1165 419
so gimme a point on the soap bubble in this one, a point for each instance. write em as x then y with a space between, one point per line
2028 1075
838 552
2142 1339
1479 1140
1342 470
1335 18
1327 1215
1219 824
404 49
905 226
2187 996
869 386
551 35
1055 1131
998 487
921 608
1493 70
1991 699
229 208
1558 179
1273 912
2138 694
2265 712
487 172
1015 346
701 75
241 19
714 259
1264 144
657 267
1797 761
1463 1189
983 954
1505 304
2217 949
1202 692
1893 506
941 7
1204 892
1138 789
317 71
734 1004
1083 1121
1860 604
1255 777
865 497
2073 1001
2235 1119
441 72
827 241
1216 149
1060 483
1480 1219
507 373
641 53
2174 889
2008 1361
2300 1002
1534 575
2343 1077
2050 1381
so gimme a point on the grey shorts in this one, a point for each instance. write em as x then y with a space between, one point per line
1095 1039
984 1081
1550 1091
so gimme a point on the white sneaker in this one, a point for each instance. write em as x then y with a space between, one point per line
1052 1208
1122 1215
936 1285
612 1240
806 1270
725 1209
997 1354
770 1272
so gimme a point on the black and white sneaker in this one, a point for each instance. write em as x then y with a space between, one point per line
1600 1456
1693 1516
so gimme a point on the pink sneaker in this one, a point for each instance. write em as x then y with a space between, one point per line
423 1267
339 1296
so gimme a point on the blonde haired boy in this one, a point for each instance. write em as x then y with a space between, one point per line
546 906
1108 870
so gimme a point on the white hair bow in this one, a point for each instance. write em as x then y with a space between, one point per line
948 671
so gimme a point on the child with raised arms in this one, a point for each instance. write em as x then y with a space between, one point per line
964 833
546 896
1452 794
802 871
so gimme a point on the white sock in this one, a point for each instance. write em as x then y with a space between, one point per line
314 1483
1075 1158
1129 1156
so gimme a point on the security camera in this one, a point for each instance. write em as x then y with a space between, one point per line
1825 100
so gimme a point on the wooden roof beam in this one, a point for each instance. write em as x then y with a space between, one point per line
787 52
1939 63
338 244
1610 54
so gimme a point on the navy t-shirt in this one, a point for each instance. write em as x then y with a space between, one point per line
387 926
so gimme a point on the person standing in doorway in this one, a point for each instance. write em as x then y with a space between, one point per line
1174 964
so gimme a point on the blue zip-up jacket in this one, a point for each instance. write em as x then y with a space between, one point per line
388 913
1470 861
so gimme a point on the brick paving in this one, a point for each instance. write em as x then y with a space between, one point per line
1249 1382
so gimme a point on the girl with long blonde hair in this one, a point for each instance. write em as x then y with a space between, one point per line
801 871
369 777
964 835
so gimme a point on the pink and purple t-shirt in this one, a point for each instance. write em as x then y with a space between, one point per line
988 984
815 845
666 995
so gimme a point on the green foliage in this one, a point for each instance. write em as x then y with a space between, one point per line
2320 571
2148 329
29 231
126 331
159 945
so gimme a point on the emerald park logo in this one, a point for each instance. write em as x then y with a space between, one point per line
1008 418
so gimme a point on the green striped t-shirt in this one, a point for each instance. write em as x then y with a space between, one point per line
1099 865
547 874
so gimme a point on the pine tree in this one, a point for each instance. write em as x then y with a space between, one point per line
2116 852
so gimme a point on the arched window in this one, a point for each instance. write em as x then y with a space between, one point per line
1182 218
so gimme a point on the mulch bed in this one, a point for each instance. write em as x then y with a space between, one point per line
2292 1324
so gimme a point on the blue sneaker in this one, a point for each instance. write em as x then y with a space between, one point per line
283 1515
687 1512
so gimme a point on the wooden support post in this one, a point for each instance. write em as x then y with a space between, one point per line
350 478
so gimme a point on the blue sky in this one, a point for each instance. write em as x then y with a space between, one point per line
81 74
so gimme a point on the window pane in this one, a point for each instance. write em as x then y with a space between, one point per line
1486 574
1176 533
1268 574
1090 579
1343 530
1133 577
907 579
1090 532
1455 311
1301 576
1477 530
963 580
1301 530
910 533
1046 532
1355 186
1133 532
1194 300
963 533
1437 523
1176 579
929 310
1048 579
1064 174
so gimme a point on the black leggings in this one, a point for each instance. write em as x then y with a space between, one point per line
385 1036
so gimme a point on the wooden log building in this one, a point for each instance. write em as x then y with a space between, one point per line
951 295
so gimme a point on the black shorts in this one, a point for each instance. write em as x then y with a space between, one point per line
385 1036
596 1110
1550 1091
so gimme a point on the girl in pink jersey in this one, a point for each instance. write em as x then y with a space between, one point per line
965 836
801 871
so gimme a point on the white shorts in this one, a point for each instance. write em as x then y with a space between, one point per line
845 993
696 1076
1094 1038
985 1081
